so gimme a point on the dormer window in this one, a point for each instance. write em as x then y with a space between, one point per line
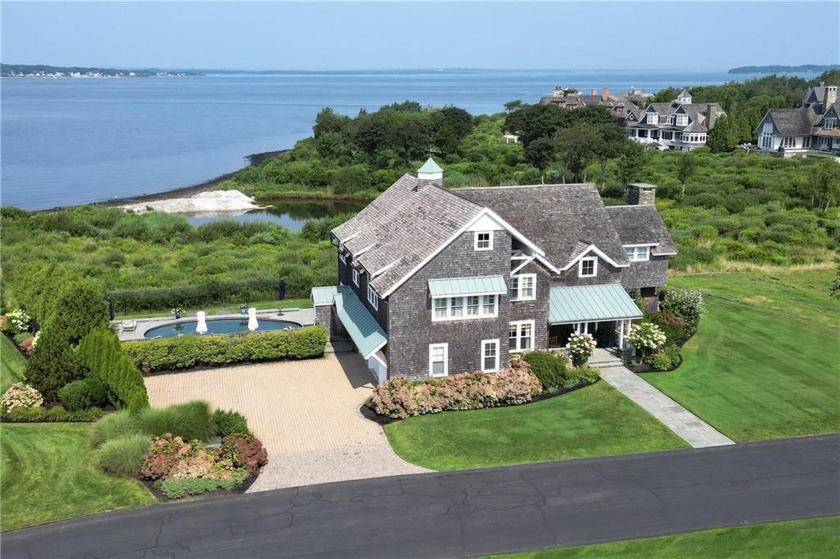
637 253
652 118
588 267
682 120
830 123
483 240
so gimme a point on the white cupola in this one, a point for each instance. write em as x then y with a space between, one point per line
430 171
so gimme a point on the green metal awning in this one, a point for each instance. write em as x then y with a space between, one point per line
359 323
454 287
322 296
591 303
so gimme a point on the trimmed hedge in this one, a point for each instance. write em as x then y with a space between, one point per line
549 366
193 296
167 354
180 487
100 351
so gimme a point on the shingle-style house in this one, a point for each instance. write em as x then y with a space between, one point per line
680 124
571 99
433 281
814 125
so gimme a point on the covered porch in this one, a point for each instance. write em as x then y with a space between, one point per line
604 311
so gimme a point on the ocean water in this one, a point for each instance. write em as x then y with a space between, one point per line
74 141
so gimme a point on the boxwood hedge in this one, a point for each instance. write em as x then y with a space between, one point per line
168 354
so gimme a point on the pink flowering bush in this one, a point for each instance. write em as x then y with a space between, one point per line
401 398
20 395
164 453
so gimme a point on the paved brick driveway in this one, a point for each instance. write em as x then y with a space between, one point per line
305 412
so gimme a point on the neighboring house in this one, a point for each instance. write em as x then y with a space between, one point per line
571 99
815 125
680 124
434 281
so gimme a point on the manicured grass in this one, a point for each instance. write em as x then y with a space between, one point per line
814 538
47 475
766 361
12 364
259 305
593 421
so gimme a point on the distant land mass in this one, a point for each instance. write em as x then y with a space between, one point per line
45 71
778 69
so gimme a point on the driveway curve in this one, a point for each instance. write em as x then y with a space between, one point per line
306 413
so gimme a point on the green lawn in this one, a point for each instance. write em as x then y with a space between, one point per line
814 538
46 474
12 364
766 361
593 421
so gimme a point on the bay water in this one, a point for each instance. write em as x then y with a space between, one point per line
72 141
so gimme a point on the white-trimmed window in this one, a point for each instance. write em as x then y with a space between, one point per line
460 308
682 120
438 360
767 128
489 356
652 118
637 253
830 123
521 335
588 267
789 142
373 298
342 257
483 240
356 277
523 287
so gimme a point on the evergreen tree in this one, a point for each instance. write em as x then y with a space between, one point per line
53 364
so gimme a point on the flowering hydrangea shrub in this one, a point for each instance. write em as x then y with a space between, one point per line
16 321
686 304
581 346
646 336
20 395
401 398
164 452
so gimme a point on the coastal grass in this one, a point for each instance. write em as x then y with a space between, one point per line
814 538
593 421
12 364
765 362
48 474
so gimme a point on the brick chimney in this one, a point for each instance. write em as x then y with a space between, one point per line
641 194
605 93
711 117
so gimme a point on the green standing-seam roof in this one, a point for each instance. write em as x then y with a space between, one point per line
322 296
359 323
430 167
590 303
454 287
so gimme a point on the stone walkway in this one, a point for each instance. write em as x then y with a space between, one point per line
306 413
685 424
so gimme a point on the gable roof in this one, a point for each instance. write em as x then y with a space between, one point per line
575 211
641 225
378 237
792 122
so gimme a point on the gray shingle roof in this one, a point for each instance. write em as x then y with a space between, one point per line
793 122
557 218
641 225
402 227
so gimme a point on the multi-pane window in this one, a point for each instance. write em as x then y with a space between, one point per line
830 123
356 277
438 359
521 335
523 287
489 355
483 240
588 267
682 120
637 254
652 118
767 128
457 308
789 142
373 298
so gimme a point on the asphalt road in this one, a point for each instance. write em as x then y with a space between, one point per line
472 513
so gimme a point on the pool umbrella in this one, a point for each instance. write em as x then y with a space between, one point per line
252 319
201 325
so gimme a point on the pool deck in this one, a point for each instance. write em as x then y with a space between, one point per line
304 317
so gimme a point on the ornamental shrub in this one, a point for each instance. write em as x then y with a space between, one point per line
548 366
123 456
674 327
54 414
686 304
192 420
168 354
229 423
580 376
161 456
581 346
20 396
646 337
80 308
15 322
244 451
401 398
53 364
83 394
113 426
177 488
100 351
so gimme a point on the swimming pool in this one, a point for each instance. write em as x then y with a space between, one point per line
216 326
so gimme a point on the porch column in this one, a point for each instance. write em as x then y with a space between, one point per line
621 335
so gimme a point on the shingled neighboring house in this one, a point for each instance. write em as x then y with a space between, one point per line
680 124
434 281
814 125
571 99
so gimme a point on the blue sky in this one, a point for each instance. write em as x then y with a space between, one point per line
389 35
